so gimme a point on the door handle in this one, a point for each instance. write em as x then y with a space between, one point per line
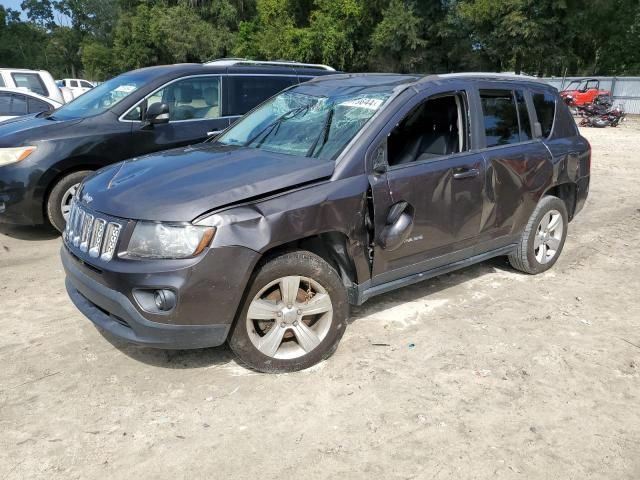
466 173
213 132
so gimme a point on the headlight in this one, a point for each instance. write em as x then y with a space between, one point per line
161 240
13 155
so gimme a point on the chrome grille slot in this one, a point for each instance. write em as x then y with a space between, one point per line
110 241
96 237
90 233
87 227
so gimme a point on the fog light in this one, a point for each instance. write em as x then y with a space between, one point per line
165 299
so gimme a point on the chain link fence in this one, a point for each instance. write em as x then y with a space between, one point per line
625 90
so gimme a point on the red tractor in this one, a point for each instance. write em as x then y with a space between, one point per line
581 92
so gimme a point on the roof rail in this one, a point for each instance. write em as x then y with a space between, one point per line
227 62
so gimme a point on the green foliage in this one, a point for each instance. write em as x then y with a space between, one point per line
101 38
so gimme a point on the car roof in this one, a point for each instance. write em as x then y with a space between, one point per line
29 93
180 69
393 81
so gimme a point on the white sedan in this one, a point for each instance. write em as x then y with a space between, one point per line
17 102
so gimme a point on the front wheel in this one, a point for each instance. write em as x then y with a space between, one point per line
59 200
293 316
543 237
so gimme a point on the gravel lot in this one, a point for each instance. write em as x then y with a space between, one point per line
483 373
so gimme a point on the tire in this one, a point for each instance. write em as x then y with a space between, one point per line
283 350
59 194
533 259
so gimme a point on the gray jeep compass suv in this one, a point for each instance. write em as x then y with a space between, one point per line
331 192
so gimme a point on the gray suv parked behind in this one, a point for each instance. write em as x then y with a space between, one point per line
331 192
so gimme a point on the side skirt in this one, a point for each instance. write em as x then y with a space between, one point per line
358 294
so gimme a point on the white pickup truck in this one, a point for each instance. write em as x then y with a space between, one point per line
36 81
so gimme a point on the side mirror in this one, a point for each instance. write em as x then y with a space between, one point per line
398 226
157 113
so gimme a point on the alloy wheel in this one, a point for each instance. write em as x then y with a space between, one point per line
289 317
548 236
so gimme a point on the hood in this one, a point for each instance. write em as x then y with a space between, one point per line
181 184
30 128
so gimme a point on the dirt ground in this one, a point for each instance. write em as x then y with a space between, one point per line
483 373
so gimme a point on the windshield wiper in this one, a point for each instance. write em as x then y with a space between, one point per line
276 123
324 135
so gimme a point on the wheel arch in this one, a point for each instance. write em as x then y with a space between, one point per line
331 246
567 192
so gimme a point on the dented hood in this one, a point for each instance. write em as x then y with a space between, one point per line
181 184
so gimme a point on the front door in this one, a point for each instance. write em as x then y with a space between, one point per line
436 182
194 114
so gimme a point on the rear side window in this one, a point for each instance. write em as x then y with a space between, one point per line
545 105
18 105
30 81
246 92
500 117
73 83
36 106
5 104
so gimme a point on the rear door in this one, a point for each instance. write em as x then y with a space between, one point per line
436 178
518 163
195 113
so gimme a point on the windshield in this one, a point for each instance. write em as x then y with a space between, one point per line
101 98
306 125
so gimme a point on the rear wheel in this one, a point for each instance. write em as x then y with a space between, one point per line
293 316
59 201
543 238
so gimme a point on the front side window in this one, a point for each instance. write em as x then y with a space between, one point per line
30 81
74 83
103 97
246 92
433 129
84 84
196 98
500 117
545 106
298 123
592 84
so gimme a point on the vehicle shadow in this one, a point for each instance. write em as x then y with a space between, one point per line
208 357
21 232
172 359
428 287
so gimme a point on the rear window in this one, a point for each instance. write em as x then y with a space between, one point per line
245 92
545 105
500 117
30 81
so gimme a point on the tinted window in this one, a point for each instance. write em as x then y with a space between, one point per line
84 84
545 105
5 104
247 92
18 105
500 117
1 81
189 99
523 115
36 106
30 81
73 83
